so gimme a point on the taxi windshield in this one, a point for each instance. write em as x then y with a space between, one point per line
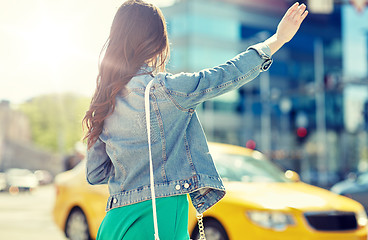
241 168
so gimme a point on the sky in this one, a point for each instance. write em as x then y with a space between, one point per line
52 46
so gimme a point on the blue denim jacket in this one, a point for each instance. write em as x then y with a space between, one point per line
181 159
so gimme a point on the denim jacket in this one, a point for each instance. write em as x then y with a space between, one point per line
181 160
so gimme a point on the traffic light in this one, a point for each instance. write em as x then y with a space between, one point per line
251 144
301 134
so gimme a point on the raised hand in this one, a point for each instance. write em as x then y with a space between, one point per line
287 27
291 21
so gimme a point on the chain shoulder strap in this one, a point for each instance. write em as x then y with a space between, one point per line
200 226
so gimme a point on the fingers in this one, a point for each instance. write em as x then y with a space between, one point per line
292 9
301 10
304 15
299 13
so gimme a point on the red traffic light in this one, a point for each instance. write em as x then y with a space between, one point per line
301 132
251 144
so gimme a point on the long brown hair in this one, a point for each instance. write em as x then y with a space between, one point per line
138 36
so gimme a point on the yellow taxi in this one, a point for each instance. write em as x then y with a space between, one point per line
262 203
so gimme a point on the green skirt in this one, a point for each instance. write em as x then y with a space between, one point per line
136 221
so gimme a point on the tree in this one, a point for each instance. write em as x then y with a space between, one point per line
56 120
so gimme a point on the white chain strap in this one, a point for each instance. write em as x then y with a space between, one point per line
200 226
152 183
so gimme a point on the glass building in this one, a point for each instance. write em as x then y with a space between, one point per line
295 112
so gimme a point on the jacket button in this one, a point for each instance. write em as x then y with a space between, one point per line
115 200
177 187
186 185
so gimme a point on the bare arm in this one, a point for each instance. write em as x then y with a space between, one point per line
288 27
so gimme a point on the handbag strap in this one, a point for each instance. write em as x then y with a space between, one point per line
152 182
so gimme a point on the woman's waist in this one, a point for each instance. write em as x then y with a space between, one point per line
130 195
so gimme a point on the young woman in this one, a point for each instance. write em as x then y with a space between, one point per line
136 53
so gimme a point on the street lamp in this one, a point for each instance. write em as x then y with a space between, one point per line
323 161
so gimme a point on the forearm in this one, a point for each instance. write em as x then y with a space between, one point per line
99 166
274 43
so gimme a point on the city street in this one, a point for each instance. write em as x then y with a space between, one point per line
266 101
28 215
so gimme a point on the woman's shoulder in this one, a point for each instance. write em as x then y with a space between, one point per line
139 82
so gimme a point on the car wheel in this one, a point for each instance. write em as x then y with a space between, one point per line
76 227
212 229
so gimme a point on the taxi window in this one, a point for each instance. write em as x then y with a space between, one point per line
247 169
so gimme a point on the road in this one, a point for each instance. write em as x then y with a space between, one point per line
28 215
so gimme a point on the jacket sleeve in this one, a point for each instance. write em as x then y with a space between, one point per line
99 166
190 89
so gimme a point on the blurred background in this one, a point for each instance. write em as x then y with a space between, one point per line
308 113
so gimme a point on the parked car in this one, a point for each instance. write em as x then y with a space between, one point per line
44 177
19 179
355 187
261 203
